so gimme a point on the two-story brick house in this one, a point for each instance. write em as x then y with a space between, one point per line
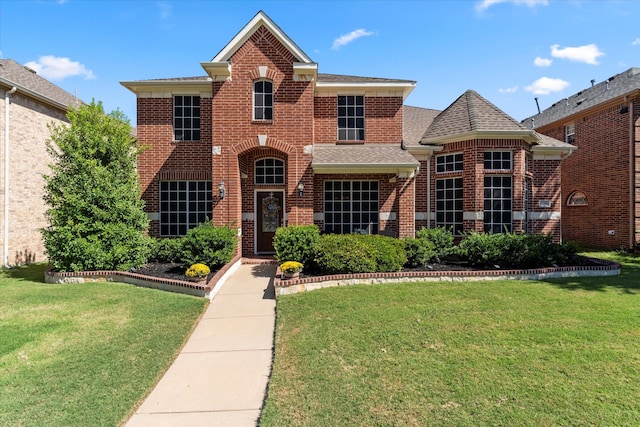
28 104
601 181
264 140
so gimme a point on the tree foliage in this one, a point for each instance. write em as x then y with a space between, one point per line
95 212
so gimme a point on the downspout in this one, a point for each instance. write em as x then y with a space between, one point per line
632 174
7 95
429 192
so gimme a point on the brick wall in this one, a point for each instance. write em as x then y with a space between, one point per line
29 161
600 168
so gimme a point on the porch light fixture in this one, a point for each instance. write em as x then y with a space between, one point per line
300 188
222 191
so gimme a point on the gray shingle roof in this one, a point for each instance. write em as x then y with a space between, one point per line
469 113
14 74
415 122
357 156
337 78
613 87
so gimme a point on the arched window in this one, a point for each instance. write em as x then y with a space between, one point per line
269 171
263 100
577 198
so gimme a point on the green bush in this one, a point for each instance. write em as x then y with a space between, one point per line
344 253
296 243
357 253
167 249
442 239
419 251
515 250
209 245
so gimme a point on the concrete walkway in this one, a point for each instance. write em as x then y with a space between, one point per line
220 376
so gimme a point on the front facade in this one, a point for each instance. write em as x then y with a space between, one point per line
28 103
601 181
264 140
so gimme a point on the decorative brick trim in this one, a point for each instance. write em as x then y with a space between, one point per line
303 284
254 143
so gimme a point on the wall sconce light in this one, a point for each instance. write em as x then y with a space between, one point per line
221 190
300 188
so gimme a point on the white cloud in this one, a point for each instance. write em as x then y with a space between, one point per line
484 5
348 38
55 68
512 89
636 42
546 85
542 62
588 54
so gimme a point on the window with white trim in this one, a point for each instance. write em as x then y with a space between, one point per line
186 118
497 160
449 163
351 207
498 192
570 134
350 118
183 205
263 100
269 171
449 199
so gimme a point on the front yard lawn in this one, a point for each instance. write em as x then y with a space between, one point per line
84 354
525 353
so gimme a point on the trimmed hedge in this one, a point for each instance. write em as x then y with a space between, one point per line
357 253
296 243
209 245
166 249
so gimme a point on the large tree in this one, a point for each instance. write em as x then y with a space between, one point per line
95 212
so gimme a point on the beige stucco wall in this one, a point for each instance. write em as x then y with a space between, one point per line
28 160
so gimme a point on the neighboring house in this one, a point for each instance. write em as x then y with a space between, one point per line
264 140
28 104
601 181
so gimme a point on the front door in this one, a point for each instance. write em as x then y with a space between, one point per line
269 217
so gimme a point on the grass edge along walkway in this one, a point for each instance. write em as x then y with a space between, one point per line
84 354
556 352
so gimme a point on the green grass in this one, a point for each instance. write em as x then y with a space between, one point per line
83 354
509 353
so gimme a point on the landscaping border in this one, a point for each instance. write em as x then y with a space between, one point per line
208 288
600 267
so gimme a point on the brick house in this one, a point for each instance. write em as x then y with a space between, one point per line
601 181
29 103
264 140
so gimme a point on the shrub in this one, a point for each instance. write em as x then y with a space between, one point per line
344 253
166 249
210 245
296 243
442 239
198 270
419 251
357 253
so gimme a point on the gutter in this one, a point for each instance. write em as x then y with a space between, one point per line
7 96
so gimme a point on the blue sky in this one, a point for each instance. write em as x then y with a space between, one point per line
510 51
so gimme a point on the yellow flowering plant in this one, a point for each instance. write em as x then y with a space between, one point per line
291 267
198 270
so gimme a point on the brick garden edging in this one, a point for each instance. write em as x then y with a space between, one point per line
303 284
205 288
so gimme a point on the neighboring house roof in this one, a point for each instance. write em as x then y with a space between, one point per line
415 122
367 158
614 87
30 83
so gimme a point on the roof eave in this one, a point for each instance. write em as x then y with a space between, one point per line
407 169
525 134
36 95
405 87
162 85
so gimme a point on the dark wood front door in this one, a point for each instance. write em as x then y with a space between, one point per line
269 217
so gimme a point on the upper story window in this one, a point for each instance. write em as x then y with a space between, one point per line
186 118
263 100
449 163
497 160
269 171
350 118
570 134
